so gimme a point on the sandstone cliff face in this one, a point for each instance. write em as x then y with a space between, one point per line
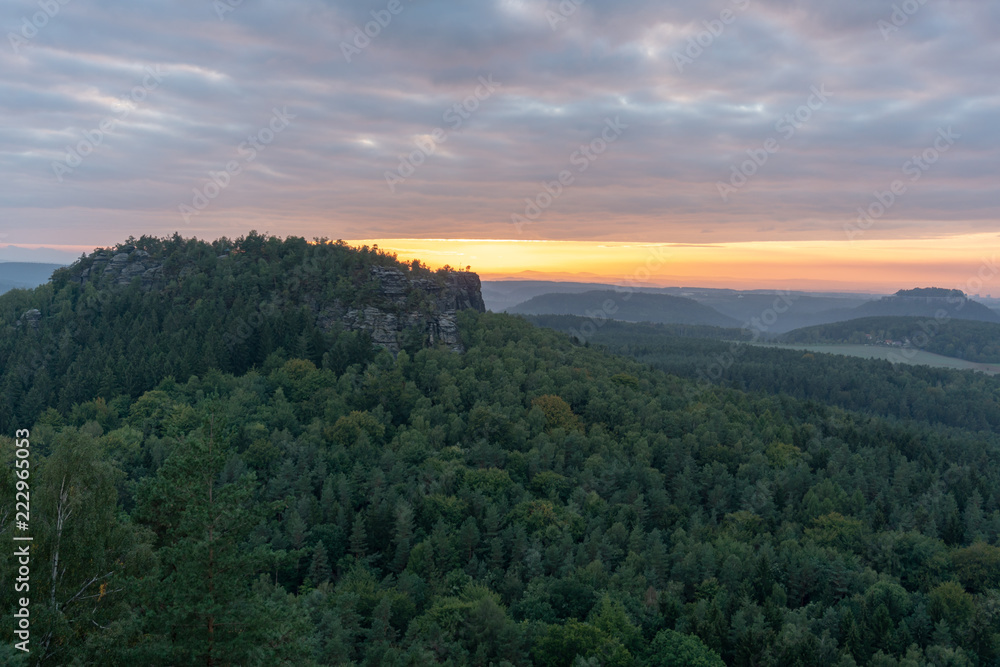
393 313
399 307
121 268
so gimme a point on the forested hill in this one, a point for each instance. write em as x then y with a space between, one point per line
628 306
927 302
710 355
530 501
121 318
932 292
962 339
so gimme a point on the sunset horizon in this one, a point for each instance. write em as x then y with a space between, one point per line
507 333
867 266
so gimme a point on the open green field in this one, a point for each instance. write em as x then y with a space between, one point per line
895 355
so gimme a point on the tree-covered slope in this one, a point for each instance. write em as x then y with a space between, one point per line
583 329
713 356
529 501
628 306
122 318
962 339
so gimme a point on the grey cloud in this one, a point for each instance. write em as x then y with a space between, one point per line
324 175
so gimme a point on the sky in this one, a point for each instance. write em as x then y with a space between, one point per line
848 144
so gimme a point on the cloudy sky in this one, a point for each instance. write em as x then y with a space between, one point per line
685 122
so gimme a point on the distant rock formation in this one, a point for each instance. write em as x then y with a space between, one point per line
393 313
400 304
30 318
122 268
932 292
931 302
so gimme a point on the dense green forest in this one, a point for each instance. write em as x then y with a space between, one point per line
962 339
531 501
225 305
710 356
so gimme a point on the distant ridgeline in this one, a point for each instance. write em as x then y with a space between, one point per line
932 293
24 275
603 305
935 302
150 307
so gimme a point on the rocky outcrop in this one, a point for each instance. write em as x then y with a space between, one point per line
460 290
122 268
393 314
399 308
30 318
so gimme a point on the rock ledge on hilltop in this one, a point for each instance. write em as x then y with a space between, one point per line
423 306
396 306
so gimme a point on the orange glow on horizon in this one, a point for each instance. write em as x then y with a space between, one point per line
965 262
